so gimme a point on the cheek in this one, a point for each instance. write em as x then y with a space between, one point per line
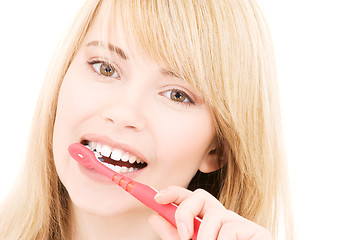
76 104
69 106
184 143
74 101
192 137
73 107
65 117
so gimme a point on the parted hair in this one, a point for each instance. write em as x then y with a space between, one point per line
224 50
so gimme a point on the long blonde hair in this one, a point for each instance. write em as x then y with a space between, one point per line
224 50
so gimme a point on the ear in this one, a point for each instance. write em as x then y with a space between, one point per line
210 162
214 158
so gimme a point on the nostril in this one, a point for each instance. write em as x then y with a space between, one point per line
110 120
124 124
125 115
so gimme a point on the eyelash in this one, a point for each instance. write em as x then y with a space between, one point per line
96 61
184 103
187 97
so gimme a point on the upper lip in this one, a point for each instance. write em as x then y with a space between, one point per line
113 144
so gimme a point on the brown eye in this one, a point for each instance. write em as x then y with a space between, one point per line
105 69
178 96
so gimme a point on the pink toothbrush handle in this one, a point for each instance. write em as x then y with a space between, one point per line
146 194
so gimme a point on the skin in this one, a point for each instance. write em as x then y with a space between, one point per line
133 107
217 222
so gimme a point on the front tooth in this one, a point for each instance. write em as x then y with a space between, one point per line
132 159
131 169
108 165
116 154
125 157
106 151
118 169
98 147
124 169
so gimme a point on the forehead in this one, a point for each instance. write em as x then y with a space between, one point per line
100 34
153 35
115 43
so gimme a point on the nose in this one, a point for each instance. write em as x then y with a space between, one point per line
125 109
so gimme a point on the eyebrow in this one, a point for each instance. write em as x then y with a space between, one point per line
122 54
109 46
168 73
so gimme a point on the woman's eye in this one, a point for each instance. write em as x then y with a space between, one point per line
104 69
178 96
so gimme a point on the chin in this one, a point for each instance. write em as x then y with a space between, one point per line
106 204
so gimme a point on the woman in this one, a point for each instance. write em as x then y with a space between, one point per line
187 92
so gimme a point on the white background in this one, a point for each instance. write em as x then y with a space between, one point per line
315 43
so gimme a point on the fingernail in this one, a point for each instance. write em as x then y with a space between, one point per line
158 195
183 231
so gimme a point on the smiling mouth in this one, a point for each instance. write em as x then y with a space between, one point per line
116 159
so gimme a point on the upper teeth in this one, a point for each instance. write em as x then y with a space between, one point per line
114 153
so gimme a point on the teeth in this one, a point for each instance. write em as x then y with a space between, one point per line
115 154
132 159
119 169
92 145
98 148
106 151
98 155
125 157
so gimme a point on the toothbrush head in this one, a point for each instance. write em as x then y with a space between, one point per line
87 158
82 155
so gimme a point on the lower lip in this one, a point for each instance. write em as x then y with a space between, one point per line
94 175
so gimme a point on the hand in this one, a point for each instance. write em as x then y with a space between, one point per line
217 221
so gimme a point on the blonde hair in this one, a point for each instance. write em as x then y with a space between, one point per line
224 50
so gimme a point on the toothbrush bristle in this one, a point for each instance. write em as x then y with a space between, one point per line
90 159
97 155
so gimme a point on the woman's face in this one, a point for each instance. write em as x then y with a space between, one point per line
134 110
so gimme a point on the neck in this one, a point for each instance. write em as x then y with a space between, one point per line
130 226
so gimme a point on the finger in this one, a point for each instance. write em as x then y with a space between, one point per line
197 204
163 228
191 204
229 231
213 221
243 229
175 194
210 225
172 194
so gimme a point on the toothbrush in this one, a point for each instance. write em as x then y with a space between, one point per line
141 192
